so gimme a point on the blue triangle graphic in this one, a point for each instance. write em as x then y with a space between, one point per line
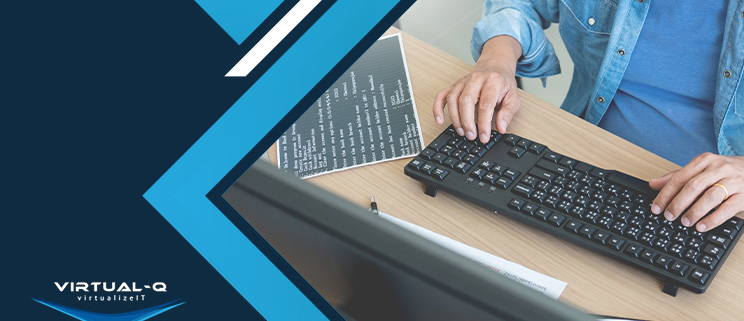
239 17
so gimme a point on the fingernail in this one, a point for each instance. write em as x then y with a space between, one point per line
503 125
460 132
470 135
685 221
668 215
439 120
701 227
484 137
656 209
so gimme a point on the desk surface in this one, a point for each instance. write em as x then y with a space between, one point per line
596 284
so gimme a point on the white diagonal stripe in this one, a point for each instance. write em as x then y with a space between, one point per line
272 38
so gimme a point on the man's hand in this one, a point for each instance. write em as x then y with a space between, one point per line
707 182
490 85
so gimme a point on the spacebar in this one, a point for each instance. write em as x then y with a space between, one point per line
631 182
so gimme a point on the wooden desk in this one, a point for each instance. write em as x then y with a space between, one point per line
596 284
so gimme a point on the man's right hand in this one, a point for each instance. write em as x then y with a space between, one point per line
491 85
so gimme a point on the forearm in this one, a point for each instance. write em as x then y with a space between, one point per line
500 52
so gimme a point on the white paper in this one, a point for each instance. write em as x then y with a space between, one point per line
540 282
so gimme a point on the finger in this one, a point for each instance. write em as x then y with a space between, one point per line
452 107
727 210
658 183
468 99
677 181
508 108
439 102
692 190
489 98
712 197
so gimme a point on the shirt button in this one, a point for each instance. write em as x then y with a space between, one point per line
600 99
727 73
621 52
591 21
640 0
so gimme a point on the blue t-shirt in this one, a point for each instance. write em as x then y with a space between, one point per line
665 100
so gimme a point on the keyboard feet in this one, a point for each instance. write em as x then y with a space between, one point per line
670 289
431 191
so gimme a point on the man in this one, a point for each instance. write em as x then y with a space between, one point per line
665 75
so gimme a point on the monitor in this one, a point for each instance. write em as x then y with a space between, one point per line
370 269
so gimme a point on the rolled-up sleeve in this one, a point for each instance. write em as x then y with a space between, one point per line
524 21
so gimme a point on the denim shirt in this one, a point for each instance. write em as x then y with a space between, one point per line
600 36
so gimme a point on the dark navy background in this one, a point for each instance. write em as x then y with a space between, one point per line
99 99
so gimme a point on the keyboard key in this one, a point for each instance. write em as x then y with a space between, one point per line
536 148
428 153
499 169
523 190
539 196
542 174
439 158
679 268
459 154
556 219
529 180
727 232
416 163
648 256
524 143
663 262
676 249
587 231
553 157
568 162
447 150
529 208
478 151
713 251
467 146
470 159
428 168
735 222
601 237
478 173
543 214
599 173
718 240
486 164
440 173
440 142
708 262
511 174
455 141
503 183
451 162
517 204
573 226
691 255
490 177
615 243
633 250
516 151
511 140
694 243
553 167
699 276
462 167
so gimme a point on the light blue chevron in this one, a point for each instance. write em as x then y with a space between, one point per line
239 17
180 194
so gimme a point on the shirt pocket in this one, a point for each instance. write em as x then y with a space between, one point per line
594 16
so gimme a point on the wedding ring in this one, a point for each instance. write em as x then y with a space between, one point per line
725 190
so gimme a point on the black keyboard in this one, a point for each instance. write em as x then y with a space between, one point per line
603 210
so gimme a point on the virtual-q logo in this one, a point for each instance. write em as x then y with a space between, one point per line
106 295
109 291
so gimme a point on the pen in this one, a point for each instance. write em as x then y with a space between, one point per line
373 206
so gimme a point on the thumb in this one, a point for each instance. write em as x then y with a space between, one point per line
509 106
